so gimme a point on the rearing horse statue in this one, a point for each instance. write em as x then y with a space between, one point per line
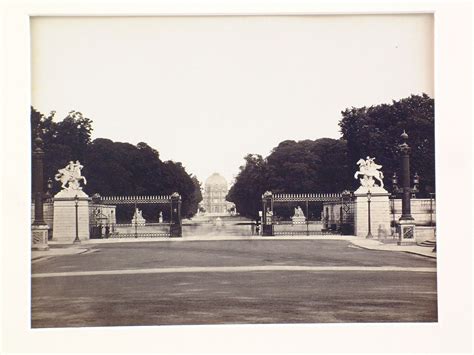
369 170
70 176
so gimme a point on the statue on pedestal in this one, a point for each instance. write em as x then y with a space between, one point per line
269 214
138 218
298 216
369 171
70 176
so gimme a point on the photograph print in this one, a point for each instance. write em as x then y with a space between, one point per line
211 170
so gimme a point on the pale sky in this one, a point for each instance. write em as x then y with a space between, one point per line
206 91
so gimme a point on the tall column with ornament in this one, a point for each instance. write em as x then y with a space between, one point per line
372 206
71 206
406 223
39 228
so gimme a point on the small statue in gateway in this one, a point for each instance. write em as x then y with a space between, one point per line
137 218
369 171
70 176
298 212
298 216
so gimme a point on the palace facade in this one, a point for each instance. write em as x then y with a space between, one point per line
215 191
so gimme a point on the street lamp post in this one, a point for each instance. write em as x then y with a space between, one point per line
76 203
369 196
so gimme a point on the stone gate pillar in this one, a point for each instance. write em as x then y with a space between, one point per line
176 230
71 206
267 214
71 216
379 213
372 205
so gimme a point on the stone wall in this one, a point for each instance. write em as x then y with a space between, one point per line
423 211
65 219
48 212
424 233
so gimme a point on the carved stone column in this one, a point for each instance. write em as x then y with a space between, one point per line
406 222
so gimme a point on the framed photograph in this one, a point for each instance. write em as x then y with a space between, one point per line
237 177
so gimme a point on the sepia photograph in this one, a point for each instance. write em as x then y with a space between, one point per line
283 179
233 170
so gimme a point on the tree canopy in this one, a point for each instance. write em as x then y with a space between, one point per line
328 165
292 167
321 165
376 131
112 168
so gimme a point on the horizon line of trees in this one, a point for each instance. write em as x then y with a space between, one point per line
111 168
328 165
321 165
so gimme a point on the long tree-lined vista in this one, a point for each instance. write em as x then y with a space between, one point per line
233 170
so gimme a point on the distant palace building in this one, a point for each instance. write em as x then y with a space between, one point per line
215 191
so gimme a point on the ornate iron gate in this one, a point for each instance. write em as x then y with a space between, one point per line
307 214
136 216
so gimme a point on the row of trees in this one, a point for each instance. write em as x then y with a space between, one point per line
292 167
112 168
328 165
376 131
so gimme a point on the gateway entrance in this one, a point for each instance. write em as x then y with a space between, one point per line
136 216
307 214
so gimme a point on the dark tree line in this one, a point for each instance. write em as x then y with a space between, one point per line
112 168
376 131
292 167
328 165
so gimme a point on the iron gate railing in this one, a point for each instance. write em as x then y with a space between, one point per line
307 214
136 216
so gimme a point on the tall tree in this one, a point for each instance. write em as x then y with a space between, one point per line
113 168
63 141
376 131
309 166
250 184
292 167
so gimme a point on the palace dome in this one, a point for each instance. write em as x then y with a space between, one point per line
216 180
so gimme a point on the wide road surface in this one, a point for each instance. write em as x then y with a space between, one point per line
223 282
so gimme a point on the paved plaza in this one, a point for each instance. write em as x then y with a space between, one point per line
248 281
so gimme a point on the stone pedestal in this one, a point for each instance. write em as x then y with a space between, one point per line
64 219
406 231
379 212
298 220
39 237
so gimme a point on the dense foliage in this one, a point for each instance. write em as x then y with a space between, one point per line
292 167
376 131
112 168
322 165
328 165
